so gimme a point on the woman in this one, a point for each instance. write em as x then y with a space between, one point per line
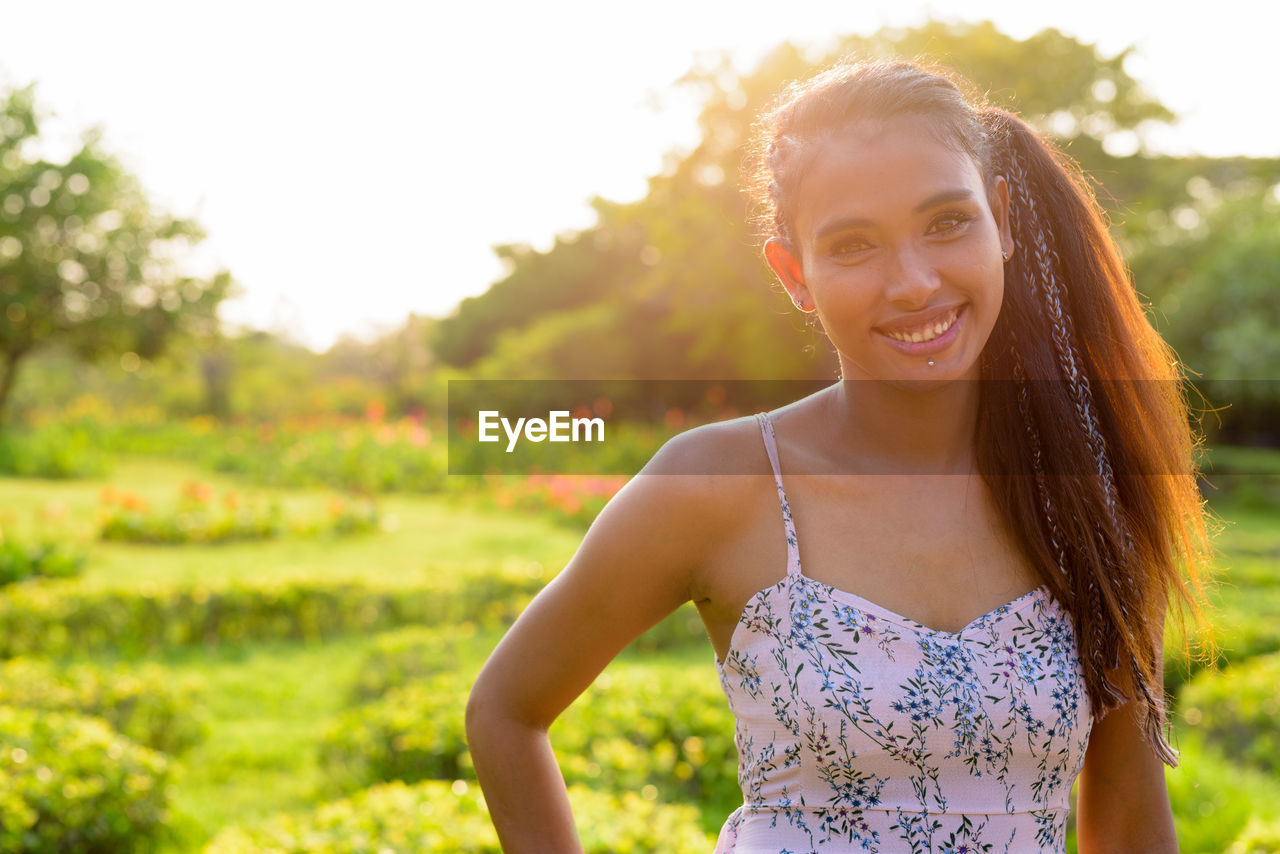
923 652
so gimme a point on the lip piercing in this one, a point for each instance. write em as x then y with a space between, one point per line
931 363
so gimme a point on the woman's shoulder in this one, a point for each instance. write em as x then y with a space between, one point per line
711 452
704 479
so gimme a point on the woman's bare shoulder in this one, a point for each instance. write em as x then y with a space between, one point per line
702 480
713 451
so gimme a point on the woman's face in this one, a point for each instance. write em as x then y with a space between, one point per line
897 247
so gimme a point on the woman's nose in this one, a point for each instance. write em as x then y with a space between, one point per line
911 278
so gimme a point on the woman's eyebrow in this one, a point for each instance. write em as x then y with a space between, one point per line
945 197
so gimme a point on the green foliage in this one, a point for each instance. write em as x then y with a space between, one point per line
568 276
55 451
608 738
436 816
1220 303
1217 802
1260 836
1238 710
200 518
367 455
406 655
682 629
143 703
413 732
57 618
48 559
71 783
84 259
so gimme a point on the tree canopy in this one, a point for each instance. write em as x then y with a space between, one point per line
85 260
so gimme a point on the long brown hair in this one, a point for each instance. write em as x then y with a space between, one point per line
1083 435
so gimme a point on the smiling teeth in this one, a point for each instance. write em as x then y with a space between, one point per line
924 333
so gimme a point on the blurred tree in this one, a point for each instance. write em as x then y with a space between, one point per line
1215 270
84 260
397 364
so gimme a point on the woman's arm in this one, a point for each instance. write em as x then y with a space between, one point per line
636 565
1122 804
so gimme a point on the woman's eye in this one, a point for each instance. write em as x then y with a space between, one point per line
949 222
849 247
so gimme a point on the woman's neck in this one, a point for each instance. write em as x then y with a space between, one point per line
905 428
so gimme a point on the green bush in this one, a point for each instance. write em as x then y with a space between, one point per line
143 703
53 451
369 455
1238 710
1258 837
1215 801
70 783
355 455
666 725
58 617
414 732
20 561
406 655
199 518
438 816
611 737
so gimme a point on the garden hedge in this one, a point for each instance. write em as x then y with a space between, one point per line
638 725
439 816
52 618
144 703
70 783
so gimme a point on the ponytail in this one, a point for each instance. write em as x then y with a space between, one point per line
1070 334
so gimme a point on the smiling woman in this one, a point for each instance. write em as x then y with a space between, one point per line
955 605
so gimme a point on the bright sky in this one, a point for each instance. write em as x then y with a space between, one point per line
354 162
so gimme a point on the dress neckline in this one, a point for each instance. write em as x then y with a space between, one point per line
874 609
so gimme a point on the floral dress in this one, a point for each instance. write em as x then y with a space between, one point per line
861 730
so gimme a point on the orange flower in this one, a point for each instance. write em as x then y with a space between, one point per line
132 501
201 493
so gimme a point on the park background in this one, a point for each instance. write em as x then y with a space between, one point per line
241 597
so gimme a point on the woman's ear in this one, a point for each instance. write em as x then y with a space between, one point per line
786 266
999 202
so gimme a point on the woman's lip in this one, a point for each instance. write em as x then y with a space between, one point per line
928 348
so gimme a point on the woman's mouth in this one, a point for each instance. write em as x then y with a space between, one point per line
928 337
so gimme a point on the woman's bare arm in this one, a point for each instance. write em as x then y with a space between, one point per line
1122 804
636 565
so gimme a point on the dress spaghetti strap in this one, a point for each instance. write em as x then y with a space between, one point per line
771 448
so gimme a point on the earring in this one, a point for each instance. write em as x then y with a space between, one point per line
800 304
1004 255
